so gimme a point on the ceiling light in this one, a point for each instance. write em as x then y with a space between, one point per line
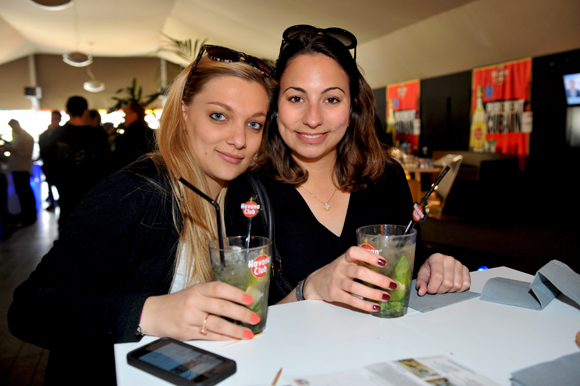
52 5
93 85
77 59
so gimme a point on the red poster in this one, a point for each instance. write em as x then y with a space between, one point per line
403 114
501 109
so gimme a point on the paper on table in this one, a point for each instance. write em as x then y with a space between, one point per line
551 280
435 370
430 302
562 371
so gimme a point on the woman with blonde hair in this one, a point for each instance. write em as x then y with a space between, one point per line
133 260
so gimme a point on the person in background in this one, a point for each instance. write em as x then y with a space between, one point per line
20 166
327 174
94 118
137 138
81 158
6 218
134 258
112 134
44 142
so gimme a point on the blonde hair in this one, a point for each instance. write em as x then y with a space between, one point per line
194 218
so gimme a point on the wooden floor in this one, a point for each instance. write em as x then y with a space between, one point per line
20 251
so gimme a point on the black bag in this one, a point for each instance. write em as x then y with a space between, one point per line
279 286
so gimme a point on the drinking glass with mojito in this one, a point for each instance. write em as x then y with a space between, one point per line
245 264
398 250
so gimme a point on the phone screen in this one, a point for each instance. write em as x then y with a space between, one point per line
182 360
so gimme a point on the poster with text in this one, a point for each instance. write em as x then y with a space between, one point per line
501 116
403 121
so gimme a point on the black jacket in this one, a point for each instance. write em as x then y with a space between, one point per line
87 293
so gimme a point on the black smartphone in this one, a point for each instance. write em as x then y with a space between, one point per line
181 364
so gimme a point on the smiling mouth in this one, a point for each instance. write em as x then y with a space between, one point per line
231 158
311 136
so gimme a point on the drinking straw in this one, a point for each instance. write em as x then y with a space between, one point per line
248 234
423 201
217 213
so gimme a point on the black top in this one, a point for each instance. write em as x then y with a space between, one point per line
137 140
303 243
87 293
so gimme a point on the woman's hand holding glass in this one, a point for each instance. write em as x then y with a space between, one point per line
335 281
198 312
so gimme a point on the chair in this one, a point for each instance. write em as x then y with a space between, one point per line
436 202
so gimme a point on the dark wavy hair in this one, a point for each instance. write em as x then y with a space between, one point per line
360 157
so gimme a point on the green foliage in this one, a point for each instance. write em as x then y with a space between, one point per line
183 48
132 94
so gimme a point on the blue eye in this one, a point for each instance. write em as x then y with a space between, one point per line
256 125
218 116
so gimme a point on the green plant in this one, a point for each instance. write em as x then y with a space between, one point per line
132 94
183 48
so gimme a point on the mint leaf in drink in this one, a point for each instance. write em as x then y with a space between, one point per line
401 269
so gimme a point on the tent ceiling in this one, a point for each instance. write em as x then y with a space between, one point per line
398 40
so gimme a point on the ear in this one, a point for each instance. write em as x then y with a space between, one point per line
183 109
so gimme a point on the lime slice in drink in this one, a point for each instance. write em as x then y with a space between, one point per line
255 293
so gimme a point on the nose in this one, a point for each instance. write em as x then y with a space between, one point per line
237 136
312 116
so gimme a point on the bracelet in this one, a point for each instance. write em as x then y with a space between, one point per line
300 290
139 333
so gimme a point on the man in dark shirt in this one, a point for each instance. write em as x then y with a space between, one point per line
81 158
44 141
138 138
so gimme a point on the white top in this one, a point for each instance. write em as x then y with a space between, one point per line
21 153
314 337
179 281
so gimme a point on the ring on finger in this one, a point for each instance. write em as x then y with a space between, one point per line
203 330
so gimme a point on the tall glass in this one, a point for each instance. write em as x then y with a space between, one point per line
245 265
398 250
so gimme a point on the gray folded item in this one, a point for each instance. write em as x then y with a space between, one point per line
562 371
430 302
551 280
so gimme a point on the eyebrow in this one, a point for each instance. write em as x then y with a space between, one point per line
227 107
300 89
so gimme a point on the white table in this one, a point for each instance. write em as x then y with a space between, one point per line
314 337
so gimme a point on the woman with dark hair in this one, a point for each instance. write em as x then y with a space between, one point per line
327 174
134 258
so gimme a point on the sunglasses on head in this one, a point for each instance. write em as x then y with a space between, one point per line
297 31
224 54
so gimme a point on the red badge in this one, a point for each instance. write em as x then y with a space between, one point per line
250 208
260 266
418 214
368 247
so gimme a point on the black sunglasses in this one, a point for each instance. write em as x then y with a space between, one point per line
342 35
224 54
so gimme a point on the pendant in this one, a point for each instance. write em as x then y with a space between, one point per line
327 206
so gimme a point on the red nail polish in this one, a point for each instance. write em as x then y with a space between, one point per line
255 319
248 299
248 334
382 262
386 297
393 285
376 308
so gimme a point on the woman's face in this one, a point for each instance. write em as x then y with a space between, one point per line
224 123
314 107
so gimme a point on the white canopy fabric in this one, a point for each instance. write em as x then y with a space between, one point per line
398 40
